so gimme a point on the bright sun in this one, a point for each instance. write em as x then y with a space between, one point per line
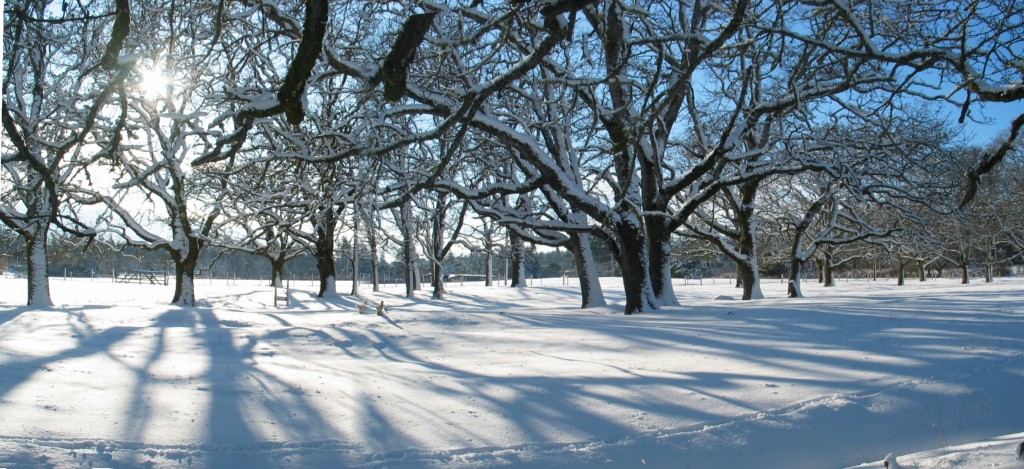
154 82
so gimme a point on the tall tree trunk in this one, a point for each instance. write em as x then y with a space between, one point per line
439 288
901 267
747 271
747 267
184 273
826 261
375 269
437 228
355 251
660 261
488 267
586 268
38 273
989 255
965 276
793 286
409 251
631 247
324 246
371 240
920 270
518 261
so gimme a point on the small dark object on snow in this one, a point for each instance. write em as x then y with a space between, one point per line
890 462
1020 450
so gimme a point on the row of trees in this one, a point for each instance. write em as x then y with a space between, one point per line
809 127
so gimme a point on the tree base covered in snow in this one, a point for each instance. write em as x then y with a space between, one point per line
499 377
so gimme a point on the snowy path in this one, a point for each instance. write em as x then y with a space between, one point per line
499 377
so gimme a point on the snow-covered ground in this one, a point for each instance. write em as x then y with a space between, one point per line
497 377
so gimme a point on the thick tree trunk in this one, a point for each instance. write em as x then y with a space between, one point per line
437 240
920 272
355 254
631 247
375 270
747 266
324 254
488 268
38 273
371 242
184 274
277 271
439 288
518 261
826 261
965 276
660 261
586 268
793 287
751 278
901 271
409 250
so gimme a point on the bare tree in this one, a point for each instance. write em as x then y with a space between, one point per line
57 79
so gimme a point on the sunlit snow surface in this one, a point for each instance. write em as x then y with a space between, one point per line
498 377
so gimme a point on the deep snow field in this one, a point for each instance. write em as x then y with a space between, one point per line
112 376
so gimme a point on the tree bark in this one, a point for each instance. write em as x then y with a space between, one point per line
900 272
793 286
277 270
371 240
518 261
747 266
437 228
660 261
826 261
38 273
355 251
184 273
590 284
488 267
409 250
324 247
632 257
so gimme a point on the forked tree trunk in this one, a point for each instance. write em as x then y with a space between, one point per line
277 270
